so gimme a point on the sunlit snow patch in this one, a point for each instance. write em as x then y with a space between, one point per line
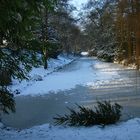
122 131
84 53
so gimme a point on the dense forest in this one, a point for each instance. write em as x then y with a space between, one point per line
113 30
33 31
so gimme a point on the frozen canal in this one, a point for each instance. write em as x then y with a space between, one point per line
84 81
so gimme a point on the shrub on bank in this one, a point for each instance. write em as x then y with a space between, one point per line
106 57
104 113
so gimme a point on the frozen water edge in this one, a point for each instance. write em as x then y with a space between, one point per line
86 71
40 74
123 131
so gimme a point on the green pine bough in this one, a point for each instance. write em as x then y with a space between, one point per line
104 113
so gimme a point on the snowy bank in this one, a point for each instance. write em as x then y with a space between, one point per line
129 130
85 71
39 74
84 53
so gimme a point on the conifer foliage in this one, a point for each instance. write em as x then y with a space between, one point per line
18 23
105 113
7 102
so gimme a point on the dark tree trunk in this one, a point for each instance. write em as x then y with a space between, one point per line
45 59
45 38
1 38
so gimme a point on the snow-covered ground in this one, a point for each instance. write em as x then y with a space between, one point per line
84 53
39 76
129 130
87 72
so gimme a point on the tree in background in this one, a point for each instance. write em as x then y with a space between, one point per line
66 27
100 28
113 30
128 31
